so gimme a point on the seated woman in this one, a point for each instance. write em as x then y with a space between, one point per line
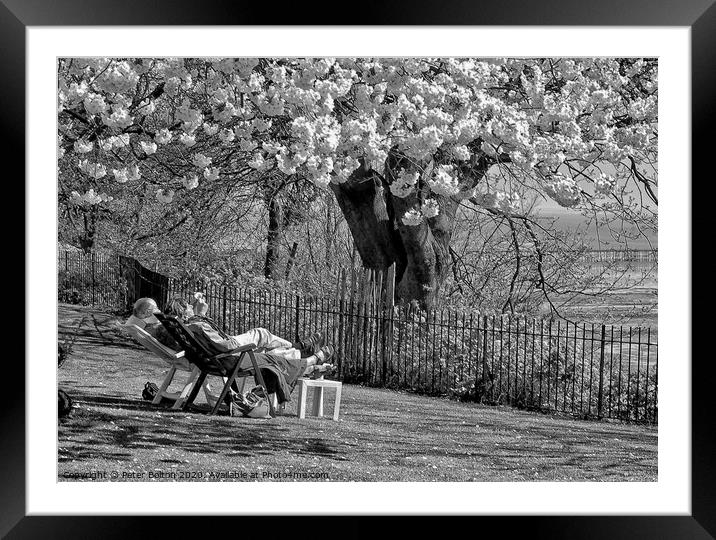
280 373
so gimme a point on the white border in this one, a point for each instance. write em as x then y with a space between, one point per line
670 495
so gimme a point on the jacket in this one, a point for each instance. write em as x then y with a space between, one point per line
280 374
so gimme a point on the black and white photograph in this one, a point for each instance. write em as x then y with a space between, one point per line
357 269
372 269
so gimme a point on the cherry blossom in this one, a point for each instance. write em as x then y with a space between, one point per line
133 172
444 181
257 162
430 208
93 170
403 185
95 104
83 147
412 218
120 118
165 197
187 140
210 129
191 181
90 198
321 118
148 148
201 161
227 136
121 175
163 136
211 173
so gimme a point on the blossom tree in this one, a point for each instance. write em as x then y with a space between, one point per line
401 143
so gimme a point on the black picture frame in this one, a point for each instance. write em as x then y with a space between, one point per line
699 15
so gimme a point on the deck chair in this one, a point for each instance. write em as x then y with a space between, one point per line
208 363
177 362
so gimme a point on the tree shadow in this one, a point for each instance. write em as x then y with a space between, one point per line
112 435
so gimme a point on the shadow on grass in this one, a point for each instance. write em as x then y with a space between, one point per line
399 434
485 435
88 328
92 434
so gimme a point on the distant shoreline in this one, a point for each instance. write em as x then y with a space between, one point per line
568 222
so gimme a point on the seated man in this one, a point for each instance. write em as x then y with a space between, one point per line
262 337
143 313
143 317
280 372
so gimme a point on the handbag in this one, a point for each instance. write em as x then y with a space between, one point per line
150 391
253 404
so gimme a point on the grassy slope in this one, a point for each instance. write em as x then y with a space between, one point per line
382 435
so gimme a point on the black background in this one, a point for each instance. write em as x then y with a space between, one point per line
700 15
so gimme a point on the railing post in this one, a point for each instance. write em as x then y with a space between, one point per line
224 308
93 280
340 346
600 394
387 331
298 298
68 279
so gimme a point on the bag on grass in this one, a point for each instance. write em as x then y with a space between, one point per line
150 391
64 403
253 404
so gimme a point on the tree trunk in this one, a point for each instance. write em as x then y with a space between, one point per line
273 237
86 237
426 248
420 253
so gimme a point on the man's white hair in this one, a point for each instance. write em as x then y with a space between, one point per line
142 305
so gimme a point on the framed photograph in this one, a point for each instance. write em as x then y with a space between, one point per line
398 256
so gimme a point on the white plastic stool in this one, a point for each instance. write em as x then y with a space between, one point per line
318 385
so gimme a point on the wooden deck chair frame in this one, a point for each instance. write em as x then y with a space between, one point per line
176 362
208 363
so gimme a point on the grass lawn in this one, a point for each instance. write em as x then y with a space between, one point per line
382 435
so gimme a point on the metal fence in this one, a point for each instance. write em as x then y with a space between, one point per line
90 279
579 369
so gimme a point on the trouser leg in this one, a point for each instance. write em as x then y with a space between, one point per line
264 339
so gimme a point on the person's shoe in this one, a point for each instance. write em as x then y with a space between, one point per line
312 344
321 370
324 354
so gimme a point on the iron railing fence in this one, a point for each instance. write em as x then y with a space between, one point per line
90 279
583 370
